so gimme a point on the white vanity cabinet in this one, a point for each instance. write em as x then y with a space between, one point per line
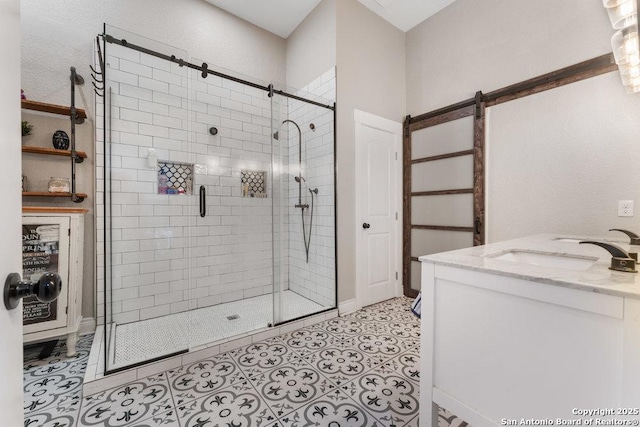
52 241
504 342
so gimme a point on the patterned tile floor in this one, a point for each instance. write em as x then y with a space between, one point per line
358 370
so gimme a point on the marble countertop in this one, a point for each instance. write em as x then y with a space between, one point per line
597 278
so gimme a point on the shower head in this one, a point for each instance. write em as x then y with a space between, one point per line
298 178
291 121
276 134
314 191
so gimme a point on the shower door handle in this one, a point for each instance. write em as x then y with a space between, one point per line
203 201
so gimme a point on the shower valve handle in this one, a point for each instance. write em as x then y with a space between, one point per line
366 225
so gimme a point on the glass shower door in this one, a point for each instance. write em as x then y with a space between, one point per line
149 204
233 243
219 203
305 211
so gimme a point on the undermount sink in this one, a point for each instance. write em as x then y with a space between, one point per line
568 239
569 262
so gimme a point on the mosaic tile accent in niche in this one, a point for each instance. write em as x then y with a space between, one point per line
254 184
175 178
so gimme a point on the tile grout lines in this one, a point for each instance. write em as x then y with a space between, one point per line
316 374
282 340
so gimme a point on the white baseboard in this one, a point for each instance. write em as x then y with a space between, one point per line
87 326
348 306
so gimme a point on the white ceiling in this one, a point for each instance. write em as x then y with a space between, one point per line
406 14
281 17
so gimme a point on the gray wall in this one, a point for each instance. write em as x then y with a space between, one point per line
311 48
450 56
558 161
371 77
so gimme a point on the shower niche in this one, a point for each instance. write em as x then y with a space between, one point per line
175 178
175 270
254 184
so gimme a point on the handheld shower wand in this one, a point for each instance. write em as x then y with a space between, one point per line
299 178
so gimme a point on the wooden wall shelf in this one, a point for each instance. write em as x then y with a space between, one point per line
47 194
76 116
52 108
52 210
52 152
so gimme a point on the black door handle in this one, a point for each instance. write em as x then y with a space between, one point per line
46 289
365 225
203 201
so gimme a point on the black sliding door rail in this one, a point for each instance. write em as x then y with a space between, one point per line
204 68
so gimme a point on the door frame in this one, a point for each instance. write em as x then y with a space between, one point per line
363 119
11 389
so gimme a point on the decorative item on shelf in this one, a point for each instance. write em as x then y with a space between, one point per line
58 185
26 128
60 140
162 183
22 95
25 184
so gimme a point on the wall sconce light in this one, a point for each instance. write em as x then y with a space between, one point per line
625 43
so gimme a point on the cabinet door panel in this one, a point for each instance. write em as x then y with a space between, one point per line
45 248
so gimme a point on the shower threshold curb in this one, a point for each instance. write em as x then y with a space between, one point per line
95 381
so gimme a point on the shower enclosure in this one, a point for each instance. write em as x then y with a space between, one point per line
217 212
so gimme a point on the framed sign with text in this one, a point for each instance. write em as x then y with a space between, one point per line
45 248
40 254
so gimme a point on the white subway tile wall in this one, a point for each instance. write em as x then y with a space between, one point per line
316 279
164 257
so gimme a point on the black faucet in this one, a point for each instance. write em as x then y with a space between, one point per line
620 259
635 239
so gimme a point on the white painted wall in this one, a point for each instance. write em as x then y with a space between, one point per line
57 35
11 403
556 161
311 48
559 161
370 56
472 45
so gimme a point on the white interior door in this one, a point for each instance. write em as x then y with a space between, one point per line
377 208
10 321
